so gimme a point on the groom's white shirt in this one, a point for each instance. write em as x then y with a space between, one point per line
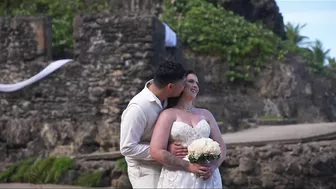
137 123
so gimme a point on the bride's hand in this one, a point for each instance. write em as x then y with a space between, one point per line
198 169
210 173
177 149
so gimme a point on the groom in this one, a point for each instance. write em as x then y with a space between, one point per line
138 120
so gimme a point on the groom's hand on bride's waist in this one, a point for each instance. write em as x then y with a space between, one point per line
177 149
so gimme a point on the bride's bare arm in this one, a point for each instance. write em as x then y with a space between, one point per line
158 146
216 135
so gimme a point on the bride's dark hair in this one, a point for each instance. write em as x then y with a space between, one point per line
172 101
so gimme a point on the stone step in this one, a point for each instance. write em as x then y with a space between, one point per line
100 156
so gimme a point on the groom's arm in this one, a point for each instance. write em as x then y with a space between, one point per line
159 143
133 123
173 162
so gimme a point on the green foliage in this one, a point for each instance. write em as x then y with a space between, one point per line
89 179
315 55
61 11
293 33
269 117
38 171
121 165
60 166
15 172
210 29
22 169
332 62
47 170
203 158
319 54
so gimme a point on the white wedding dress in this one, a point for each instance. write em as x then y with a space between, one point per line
180 179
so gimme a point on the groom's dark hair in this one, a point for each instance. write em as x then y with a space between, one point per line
168 71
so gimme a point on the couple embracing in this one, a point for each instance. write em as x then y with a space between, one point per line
155 134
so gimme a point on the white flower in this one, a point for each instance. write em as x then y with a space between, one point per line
203 146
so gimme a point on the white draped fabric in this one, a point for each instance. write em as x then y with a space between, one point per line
170 38
45 72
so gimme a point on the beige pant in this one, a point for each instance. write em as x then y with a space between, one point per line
144 176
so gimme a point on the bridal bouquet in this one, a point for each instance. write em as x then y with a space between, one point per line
203 150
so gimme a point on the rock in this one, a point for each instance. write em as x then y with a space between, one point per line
122 182
97 91
246 165
273 152
277 167
240 180
69 177
17 132
293 168
297 150
265 11
267 182
298 182
3 152
50 135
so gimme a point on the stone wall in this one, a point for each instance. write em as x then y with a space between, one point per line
25 38
283 89
148 7
22 41
306 165
77 109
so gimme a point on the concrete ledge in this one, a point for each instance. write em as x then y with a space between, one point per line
330 136
272 122
100 156
289 134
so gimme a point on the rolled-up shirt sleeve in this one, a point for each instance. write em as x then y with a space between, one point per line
133 124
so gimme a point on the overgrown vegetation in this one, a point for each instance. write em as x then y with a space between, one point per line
89 179
37 170
61 11
314 54
46 171
210 29
269 117
121 165
15 172
245 47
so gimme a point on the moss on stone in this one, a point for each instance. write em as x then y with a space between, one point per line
121 165
37 170
60 166
15 172
92 179
49 171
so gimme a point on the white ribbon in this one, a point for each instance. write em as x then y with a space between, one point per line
46 71
170 38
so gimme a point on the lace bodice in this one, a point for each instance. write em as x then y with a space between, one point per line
185 133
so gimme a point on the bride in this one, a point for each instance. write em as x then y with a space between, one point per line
185 123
